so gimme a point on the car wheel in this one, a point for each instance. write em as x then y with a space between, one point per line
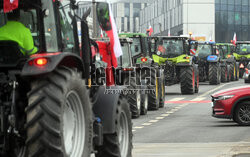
242 113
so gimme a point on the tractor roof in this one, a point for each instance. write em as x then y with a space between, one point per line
172 37
126 40
225 44
206 42
243 42
132 35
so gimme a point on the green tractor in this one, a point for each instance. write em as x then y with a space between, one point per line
151 73
137 97
173 55
242 55
229 66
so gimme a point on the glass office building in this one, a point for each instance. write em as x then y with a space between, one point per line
127 15
215 19
232 16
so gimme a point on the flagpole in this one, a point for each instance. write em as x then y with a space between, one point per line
94 19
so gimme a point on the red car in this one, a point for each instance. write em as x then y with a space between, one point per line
233 103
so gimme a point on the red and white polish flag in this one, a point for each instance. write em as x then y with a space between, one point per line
113 35
9 5
150 30
234 39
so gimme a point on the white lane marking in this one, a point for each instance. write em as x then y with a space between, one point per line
174 109
138 127
133 130
178 107
205 94
146 124
169 112
198 99
159 118
164 115
176 99
153 121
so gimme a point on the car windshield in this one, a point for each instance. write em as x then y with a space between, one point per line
170 48
136 46
243 49
125 58
204 50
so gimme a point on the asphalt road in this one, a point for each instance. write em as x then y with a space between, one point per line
185 128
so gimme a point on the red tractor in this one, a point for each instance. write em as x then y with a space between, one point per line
48 103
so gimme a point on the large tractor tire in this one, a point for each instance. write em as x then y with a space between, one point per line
59 116
202 74
187 80
197 79
144 104
232 71
214 73
224 74
229 74
162 91
133 97
118 144
153 96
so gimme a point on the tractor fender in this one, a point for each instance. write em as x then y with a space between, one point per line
213 58
105 107
53 61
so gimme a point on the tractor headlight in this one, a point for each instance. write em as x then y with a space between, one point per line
225 97
158 53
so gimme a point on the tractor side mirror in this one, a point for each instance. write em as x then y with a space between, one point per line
103 16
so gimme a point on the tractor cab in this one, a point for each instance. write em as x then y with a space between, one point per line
139 47
243 48
171 47
242 55
225 50
50 24
206 49
125 61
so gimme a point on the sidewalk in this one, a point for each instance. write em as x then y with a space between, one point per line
229 149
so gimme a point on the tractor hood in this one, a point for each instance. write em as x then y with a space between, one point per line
233 91
238 57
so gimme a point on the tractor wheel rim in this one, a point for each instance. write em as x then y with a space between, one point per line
146 102
123 134
73 125
138 100
244 113
156 89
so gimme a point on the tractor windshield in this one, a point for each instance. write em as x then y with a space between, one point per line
243 49
136 47
124 60
170 48
204 50
223 50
